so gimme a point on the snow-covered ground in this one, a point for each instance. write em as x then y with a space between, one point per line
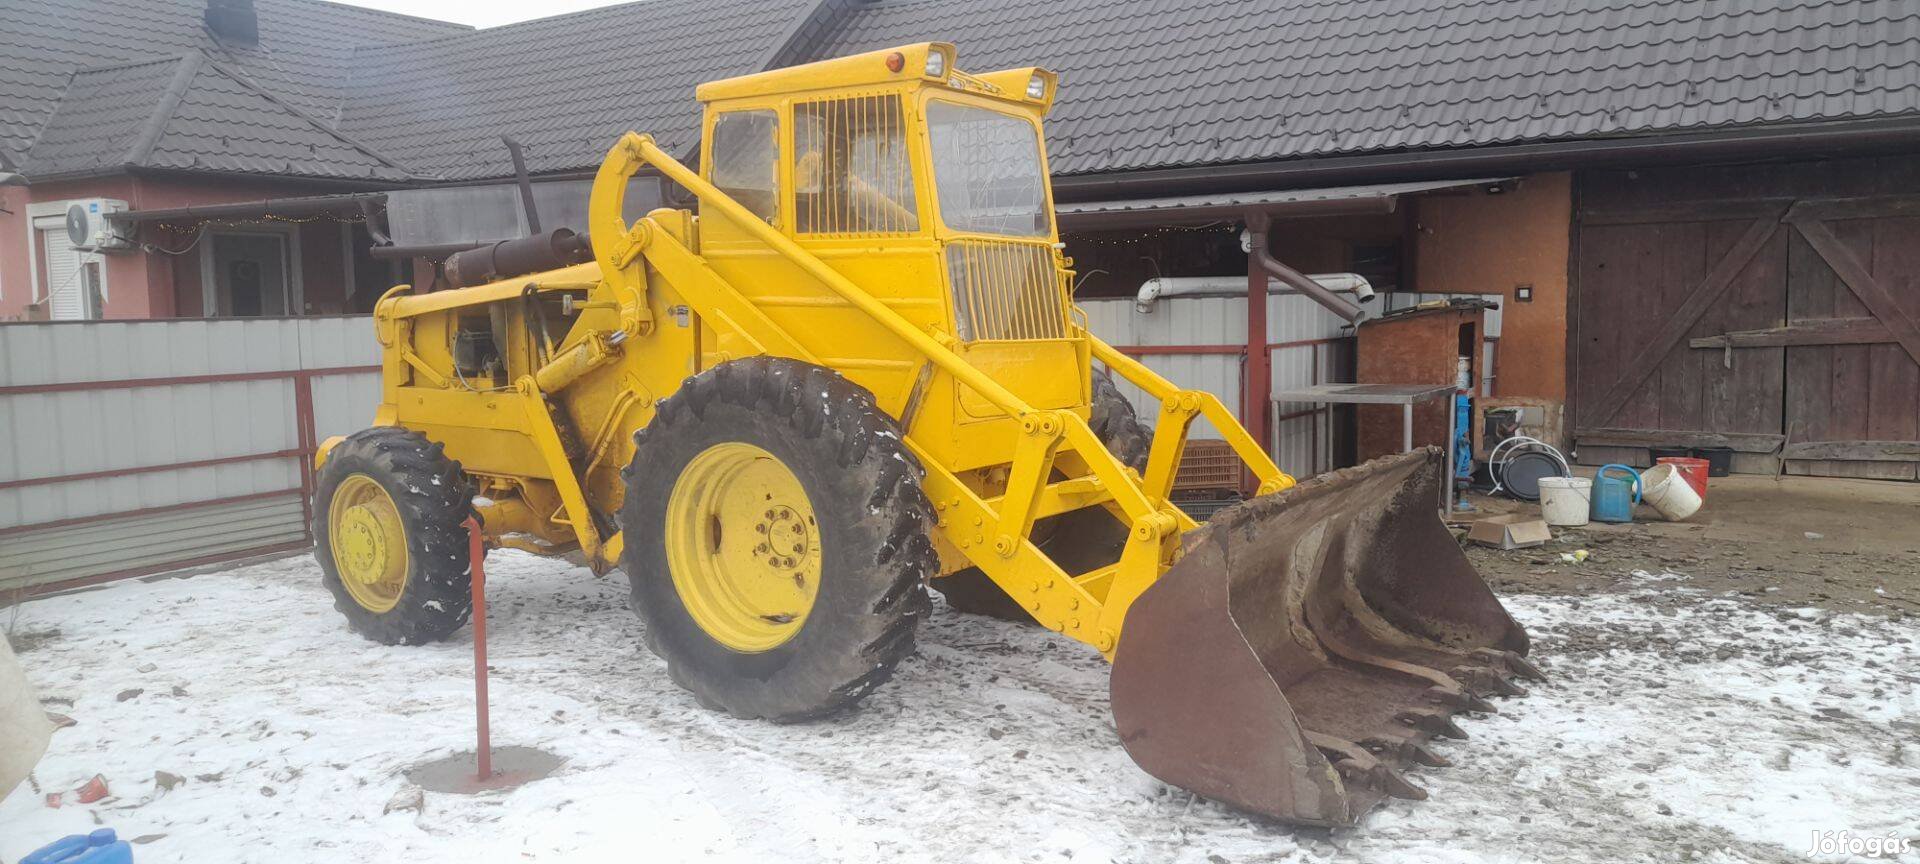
1678 726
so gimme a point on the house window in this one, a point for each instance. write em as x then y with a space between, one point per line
248 274
69 278
1378 262
746 162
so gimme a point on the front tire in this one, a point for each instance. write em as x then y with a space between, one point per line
776 539
389 508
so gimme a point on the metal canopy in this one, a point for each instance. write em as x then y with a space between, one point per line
1325 201
284 207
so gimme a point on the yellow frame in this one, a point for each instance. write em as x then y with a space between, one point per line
743 287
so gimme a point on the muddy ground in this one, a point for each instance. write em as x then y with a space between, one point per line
1720 691
1842 545
241 721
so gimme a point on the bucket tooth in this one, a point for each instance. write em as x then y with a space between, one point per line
1380 778
1296 624
1484 680
1514 661
1407 750
1396 784
1436 723
1460 700
1357 765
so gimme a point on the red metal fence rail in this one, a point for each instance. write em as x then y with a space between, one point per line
1241 351
306 444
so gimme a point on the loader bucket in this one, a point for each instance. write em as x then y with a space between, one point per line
1308 644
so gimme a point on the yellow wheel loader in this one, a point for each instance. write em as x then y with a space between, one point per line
857 372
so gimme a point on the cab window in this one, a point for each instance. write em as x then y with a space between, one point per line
746 160
987 171
851 174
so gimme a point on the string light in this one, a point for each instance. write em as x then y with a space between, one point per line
198 228
1135 237
265 217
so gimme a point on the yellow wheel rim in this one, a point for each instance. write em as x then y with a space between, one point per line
369 543
743 547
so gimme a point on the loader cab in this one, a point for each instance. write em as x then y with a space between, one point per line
925 185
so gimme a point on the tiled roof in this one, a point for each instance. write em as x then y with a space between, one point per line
565 87
1146 83
192 114
99 122
304 55
1153 83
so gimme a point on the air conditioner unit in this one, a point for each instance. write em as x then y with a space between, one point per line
89 229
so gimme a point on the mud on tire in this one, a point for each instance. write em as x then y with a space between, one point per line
1077 541
433 498
863 486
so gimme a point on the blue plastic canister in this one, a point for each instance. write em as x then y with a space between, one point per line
1614 496
100 847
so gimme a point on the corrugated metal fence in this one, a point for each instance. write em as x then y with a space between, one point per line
141 446
1199 343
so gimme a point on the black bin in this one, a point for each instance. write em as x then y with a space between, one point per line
1659 453
1719 460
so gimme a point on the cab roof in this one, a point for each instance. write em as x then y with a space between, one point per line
928 63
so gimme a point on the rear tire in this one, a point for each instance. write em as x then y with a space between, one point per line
391 472
1077 541
865 522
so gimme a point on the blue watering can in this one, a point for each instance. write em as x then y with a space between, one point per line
1614 496
100 847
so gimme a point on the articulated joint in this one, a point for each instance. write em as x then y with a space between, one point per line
638 238
1032 464
1275 484
1155 526
631 150
1045 424
1183 402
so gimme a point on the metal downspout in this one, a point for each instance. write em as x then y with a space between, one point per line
1259 364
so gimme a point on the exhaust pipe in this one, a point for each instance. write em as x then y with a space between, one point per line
509 258
1160 288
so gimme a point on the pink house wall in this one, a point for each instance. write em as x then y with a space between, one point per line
156 285
15 278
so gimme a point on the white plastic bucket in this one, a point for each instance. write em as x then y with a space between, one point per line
1565 501
1669 492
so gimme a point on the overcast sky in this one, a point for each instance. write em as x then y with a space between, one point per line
482 13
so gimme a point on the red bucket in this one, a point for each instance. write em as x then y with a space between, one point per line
1695 470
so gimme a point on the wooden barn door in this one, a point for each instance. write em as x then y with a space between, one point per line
1852 347
1647 288
1712 313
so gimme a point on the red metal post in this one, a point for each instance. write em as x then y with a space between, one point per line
304 432
1313 457
477 553
1257 383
